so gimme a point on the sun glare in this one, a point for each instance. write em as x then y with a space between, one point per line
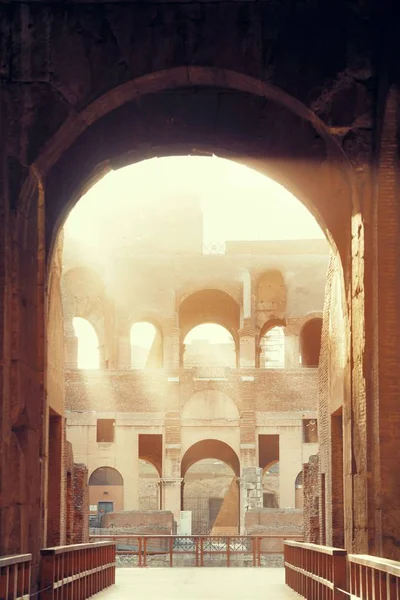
233 203
237 202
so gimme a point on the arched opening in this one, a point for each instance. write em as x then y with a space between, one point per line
208 483
310 343
212 493
270 483
298 485
272 348
149 486
106 494
146 346
210 448
209 345
120 147
88 344
218 315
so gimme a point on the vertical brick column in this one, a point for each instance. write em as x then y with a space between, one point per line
171 480
247 347
384 414
70 339
248 454
289 465
124 351
171 348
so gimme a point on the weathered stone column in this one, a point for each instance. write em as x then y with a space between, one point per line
124 352
171 495
171 349
251 494
248 454
128 464
289 465
292 351
70 339
247 347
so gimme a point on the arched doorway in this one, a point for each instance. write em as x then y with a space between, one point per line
210 471
310 343
106 493
88 344
299 490
216 310
67 164
209 345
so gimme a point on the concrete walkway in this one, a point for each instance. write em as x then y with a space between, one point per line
199 584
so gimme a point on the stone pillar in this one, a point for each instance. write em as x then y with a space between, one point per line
171 349
247 347
251 493
124 352
248 454
290 465
71 352
292 351
171 489
70 339
127 439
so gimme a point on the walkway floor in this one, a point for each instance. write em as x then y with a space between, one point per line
198 584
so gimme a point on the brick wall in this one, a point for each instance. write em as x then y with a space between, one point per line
141 391
80 504
331 385
311 501
141 522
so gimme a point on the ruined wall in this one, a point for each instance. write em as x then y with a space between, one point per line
141 391
80 504
332 394
311 501
141 522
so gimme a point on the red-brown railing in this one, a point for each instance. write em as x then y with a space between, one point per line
316 571
76 572
196 551
372 578
15 577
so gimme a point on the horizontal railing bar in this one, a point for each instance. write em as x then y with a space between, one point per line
75 547
14 559
216 537
316 548
384 565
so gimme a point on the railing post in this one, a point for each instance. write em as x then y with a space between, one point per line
339 578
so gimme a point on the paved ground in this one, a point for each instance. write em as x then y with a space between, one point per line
199 584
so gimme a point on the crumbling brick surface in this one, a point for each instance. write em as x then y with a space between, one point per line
311 501
81 505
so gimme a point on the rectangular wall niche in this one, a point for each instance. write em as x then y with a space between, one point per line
310 431
150 449
268 450
105 430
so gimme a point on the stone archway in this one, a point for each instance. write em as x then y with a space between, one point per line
279 137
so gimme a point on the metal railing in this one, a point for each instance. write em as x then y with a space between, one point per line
316 571
15 577
76 571
196 551
373 578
